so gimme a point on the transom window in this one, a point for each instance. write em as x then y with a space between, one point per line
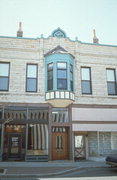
111 82
62 75
31 81
86 80
4 76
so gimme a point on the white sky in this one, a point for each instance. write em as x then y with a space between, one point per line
75 17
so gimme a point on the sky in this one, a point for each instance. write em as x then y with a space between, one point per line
77 18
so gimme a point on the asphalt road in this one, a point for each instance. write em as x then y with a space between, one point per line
93 172
107 173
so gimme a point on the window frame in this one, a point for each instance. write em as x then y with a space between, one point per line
89 81
8 77
114 82
31 78
64 69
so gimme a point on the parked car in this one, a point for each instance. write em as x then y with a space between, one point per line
111 160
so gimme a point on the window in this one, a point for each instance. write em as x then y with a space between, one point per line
71 77
61 75
86 80
50 76
113 140
4 76
111 81
60 115
31 83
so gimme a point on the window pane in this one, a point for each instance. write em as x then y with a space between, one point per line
111 88
71 84
62 74
4 69
110 75
31 85
71 76
3 83
71 68
50 75
32 71
61 65
50 84
85 74
50 66
62 84
86 87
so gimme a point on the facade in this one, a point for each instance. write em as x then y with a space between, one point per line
58 98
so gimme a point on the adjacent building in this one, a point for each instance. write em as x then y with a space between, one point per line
58 98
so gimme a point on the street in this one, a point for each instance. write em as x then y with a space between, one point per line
104 173
93 172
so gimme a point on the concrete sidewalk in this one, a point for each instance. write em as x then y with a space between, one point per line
45 169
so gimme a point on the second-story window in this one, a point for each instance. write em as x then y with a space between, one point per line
31 81
71 77
61 75
111 81
4 76
50 76
86 80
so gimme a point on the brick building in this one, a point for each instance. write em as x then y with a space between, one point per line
58 98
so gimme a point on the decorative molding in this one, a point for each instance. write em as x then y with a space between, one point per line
59 33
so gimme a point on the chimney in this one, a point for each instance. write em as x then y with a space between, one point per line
95 39
20 32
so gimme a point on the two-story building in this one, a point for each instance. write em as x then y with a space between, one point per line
58 98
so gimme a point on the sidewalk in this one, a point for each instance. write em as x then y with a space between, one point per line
45 169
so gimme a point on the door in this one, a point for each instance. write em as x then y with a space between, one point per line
79 147
60 150
14 146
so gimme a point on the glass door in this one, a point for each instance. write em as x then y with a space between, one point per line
79 147
14 146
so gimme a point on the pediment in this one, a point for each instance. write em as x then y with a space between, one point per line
58 49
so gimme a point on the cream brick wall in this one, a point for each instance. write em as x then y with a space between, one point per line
20 51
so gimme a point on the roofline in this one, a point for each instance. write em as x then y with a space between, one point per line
96 44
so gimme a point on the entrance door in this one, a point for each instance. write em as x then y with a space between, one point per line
79 147
14 146
60 146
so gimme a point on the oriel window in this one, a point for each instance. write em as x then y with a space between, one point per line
31 80
86 80
61 75
50 76
4 76
71 77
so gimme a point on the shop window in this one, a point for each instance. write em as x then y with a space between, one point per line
4 76
111 81
86 80
113 140
31 80
37 139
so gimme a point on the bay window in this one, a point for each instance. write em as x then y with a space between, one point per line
61 75
50 76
